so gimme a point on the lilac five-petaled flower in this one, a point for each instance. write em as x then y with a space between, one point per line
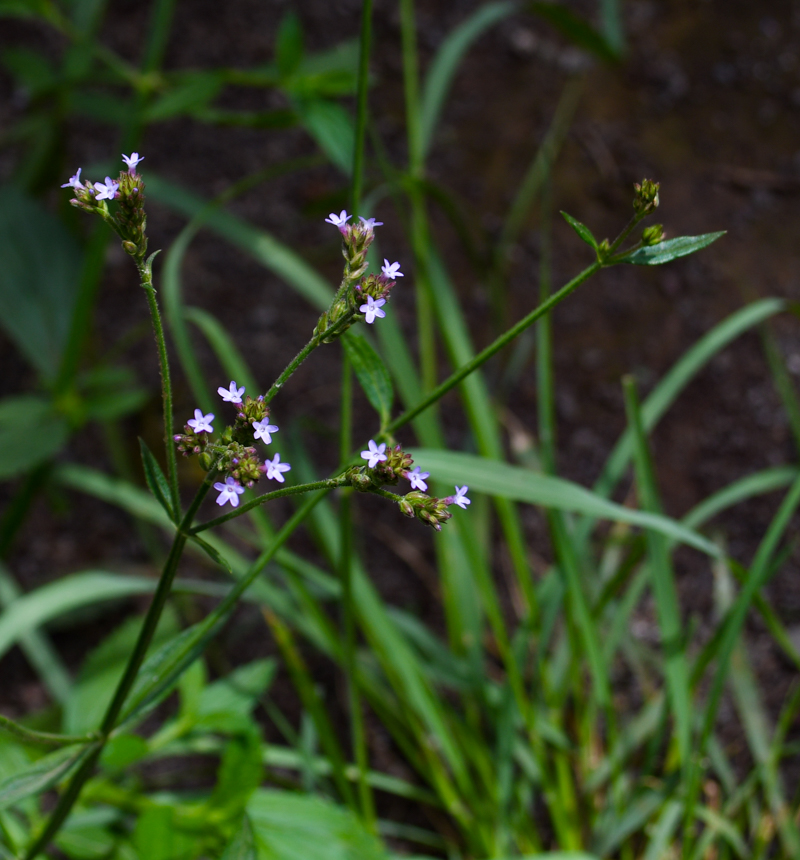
107 190
391 270
375 454
417 479
264 430
201 423
338 220
229 491
275 467
231 394
372 309
132 160
460 497
369 223
74 181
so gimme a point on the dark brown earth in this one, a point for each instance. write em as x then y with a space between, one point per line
707 102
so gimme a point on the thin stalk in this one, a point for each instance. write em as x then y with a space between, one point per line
301 356
327 484
29 736
484 355
146 277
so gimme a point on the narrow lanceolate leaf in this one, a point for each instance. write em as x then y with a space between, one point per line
371 373
156 480
243 844
29 736
581 229
664 252
522 485
42 774
213 553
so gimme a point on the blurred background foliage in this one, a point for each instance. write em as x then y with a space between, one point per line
529 681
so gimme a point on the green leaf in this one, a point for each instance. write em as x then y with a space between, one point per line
371 373
522 485
156 836
239 691
85 842
26 9
332 128
445 64
31 431
243 844
122 751
289 46
43 774
581 229
190 93
38 279
664 252
289 826
156 479
32 69
578 31
240 772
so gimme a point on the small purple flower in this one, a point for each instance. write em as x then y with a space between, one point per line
391 270
107 191
275 467
264 430
338 220
74 181
460 497
201 423
229 491
372 309
369 223
132 160
231 394
417 479
375 454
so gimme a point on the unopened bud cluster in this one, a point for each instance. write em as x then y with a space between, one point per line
358 297
645 200
129 222
387 467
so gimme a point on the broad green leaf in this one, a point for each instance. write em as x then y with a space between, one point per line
332 127
581 229
88 842
290 826
38 279
522 485
289 46
241 771
156 836
192 92
243 844
43 774
31 431
371 373
576 29
664 252
121 751
239 691
445 64
156 479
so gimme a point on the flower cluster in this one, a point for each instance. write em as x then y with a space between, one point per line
127 189
359 295
232 453
387 466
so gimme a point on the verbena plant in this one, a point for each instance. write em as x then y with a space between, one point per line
510 724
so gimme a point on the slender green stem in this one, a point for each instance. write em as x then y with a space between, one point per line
146 276
47 738
328 484
301 356
485 354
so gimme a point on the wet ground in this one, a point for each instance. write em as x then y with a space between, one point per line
707 102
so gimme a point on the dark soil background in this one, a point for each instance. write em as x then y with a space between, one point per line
707 102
